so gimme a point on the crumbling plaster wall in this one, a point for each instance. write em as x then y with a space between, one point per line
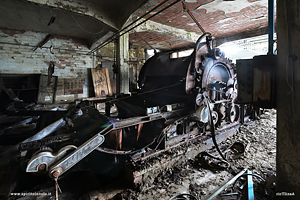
17 55
69 55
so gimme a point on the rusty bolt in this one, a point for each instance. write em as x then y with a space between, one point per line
42 167
55 174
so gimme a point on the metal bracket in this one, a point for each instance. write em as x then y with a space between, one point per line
73 158
45 159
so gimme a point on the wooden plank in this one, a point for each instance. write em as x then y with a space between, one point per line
9 92
73 86
101 82
42 88
60 90
47 91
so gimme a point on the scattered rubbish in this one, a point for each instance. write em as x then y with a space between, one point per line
205 162
203 192
227 184
228 194
237 149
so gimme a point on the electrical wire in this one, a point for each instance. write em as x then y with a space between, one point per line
117 35
84 29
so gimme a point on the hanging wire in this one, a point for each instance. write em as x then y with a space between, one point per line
84 29
117 35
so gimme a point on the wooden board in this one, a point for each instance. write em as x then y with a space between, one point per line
45 90
101 82
73 86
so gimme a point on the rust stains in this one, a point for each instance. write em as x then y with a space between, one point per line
11 32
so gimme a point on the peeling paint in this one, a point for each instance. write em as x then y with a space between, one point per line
230 6
11 32
20 59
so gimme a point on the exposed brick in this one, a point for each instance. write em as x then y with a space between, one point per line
192 6
263 10
212 14
258 6
21 59
202 2
202 18
247 9
209 22
201 11
254 15
232 14
220 17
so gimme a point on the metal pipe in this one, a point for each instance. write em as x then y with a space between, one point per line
271 25
159 5
250 186
227 184
47 131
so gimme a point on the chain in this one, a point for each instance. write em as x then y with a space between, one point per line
57 188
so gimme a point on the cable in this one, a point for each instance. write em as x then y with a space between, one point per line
117 35
212 127
84 29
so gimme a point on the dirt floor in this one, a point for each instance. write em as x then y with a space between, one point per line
201 180
199 177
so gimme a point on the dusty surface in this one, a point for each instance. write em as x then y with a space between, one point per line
192 177
259 139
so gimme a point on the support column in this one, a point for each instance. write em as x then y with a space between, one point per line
122 58
288 100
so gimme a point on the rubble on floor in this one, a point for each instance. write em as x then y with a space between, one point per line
259 140
253 147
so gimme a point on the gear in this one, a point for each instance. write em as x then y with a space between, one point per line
43 149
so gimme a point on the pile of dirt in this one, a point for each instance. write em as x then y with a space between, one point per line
259 141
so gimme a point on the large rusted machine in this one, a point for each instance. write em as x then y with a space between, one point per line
178 98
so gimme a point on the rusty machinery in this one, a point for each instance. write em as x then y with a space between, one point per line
177 97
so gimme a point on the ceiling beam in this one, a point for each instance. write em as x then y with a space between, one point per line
84 8
168 30
241 35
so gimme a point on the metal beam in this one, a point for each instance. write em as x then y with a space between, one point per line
246 34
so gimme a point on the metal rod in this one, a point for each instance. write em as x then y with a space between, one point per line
227 184
192 16
47 131
250 186
159 5
145 42
271 25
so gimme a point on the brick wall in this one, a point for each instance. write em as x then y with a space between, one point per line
17 55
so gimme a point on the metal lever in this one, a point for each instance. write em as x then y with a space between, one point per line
45 159
81 152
